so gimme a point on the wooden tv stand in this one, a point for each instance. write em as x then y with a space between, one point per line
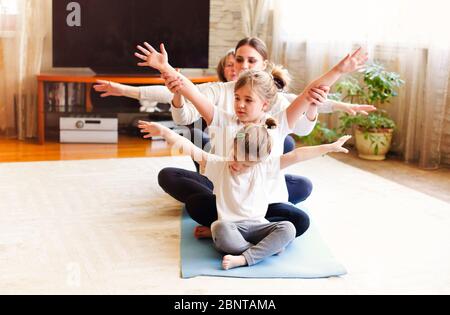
89 80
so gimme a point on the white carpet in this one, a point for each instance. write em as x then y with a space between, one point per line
106 227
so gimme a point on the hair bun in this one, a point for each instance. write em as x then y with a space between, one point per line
271 123
280 75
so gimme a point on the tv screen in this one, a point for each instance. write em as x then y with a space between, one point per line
103 34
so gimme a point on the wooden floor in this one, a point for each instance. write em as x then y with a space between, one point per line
128 147
435 183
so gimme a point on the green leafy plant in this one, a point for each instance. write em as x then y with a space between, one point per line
320 135
374 86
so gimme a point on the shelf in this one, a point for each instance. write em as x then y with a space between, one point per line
89 104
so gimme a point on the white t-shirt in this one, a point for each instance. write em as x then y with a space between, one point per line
223 130
222 95
245 196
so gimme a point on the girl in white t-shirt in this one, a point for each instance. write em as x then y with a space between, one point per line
242 184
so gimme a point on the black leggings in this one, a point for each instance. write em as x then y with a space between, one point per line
196 191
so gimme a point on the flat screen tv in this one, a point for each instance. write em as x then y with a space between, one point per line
103 34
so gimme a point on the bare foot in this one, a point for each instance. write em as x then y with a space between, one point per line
202 232
230 262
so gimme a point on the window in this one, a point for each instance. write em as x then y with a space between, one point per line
8 16
8 7
416 22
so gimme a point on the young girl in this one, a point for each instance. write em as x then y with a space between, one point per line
241 184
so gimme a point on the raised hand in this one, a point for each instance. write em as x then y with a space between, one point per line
353 62
108 88
152 58
151 129
337 146
354 109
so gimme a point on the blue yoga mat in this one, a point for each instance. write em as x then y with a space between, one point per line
308 257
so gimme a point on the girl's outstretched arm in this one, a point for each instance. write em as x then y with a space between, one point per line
160 61
308 153
351 63
151 129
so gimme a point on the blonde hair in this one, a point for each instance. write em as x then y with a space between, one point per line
280 75
253 142
221 66
260 82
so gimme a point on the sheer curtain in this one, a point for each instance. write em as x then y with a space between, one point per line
408 36
22 32
254 17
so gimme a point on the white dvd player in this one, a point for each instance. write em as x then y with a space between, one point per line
89 130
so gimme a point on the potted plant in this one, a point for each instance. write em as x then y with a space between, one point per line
373 86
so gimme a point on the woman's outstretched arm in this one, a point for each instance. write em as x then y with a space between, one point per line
110 88
330 106
160 61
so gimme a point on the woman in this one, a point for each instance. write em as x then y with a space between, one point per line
225 69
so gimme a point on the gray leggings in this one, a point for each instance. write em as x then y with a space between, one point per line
255 241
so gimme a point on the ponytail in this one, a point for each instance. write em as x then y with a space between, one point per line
280 75
271 123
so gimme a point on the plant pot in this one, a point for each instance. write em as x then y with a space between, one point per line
373 145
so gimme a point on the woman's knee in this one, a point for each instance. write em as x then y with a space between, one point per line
165 178
301 223
299 188
201 208
289 144
307 186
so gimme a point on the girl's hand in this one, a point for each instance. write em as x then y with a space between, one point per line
152 129
337 146
108 88
354 109
152 58
173 83
352 62
318 96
